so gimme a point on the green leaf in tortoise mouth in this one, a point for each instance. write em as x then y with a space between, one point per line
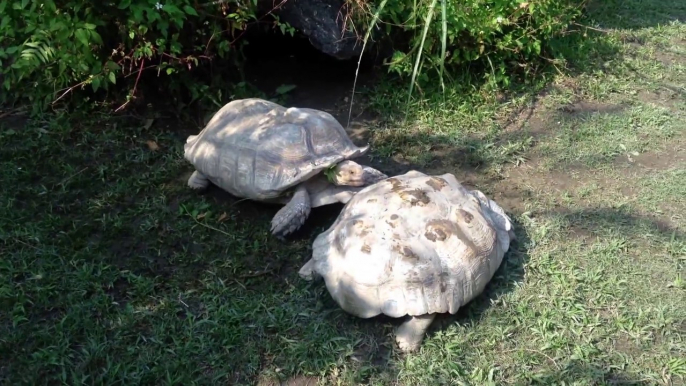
329 173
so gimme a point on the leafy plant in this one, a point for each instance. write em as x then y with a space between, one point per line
49 49
501 35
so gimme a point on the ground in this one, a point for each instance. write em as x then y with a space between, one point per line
114 272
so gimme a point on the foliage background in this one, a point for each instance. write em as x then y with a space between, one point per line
70 50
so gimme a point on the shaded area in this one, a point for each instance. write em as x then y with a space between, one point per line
121 254
578 372
634 14
600 221
145 263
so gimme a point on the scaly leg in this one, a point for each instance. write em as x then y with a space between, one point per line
411 333
293 215
198 181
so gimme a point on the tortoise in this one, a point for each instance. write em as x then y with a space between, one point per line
412 246
296 157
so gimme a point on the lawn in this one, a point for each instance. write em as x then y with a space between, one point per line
114 272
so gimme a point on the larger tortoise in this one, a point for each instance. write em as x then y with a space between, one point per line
411 246
297 157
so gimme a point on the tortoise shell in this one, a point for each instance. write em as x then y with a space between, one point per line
258 149
412 244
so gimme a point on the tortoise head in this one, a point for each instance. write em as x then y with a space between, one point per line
350 173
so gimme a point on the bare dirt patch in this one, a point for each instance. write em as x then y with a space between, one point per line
654 160
532 118
590 107
668 58
299 380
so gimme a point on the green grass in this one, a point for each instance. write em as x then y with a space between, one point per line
113 272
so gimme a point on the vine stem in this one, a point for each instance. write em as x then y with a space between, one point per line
135 85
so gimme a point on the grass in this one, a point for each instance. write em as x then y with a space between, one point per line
113 272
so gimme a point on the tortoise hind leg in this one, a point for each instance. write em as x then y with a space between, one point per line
198 181
411 333
292 216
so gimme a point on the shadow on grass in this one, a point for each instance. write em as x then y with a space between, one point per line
577 372
127 276
635 14
601 221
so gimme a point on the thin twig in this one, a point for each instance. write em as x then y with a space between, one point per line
259 273
72 176
68 91
139 71
535 352
35 247
135 85
205 225
359 60
238 202
591 28
12 111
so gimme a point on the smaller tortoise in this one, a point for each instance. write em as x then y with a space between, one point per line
297 157
412 245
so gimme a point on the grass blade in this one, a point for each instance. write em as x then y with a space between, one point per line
427 23
444 41
375 18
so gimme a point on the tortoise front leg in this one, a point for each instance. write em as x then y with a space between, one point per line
293 215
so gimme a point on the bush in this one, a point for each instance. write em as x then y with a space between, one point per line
50 48
500 34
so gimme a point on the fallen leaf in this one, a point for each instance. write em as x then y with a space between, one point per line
201 216
148 123
284 88
523 5
222 217
152 145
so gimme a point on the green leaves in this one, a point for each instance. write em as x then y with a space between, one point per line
190 10
47 47
329 173
508 32
82 36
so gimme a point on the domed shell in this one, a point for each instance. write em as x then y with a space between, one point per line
258 149
410 245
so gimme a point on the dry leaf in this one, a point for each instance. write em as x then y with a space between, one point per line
222 217
523 5
152 145
201 216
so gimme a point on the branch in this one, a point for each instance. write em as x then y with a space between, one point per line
140 71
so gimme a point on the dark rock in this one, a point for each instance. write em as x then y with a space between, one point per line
325 23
